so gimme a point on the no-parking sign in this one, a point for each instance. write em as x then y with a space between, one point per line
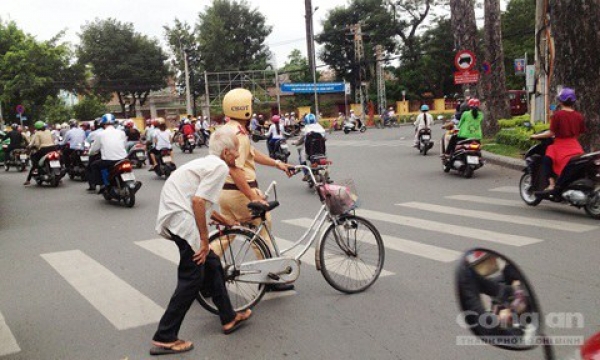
20 109
464 60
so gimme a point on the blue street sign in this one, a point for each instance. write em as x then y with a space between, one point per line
309 88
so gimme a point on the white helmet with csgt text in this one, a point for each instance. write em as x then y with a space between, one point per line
237 104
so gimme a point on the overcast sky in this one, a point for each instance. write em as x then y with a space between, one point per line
45 18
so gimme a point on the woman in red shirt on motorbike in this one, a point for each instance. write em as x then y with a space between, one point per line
565 126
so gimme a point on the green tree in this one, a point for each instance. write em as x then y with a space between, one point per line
32 72
182 43
122 62
89 108
55 111
518 38
297 68
337 38
231 36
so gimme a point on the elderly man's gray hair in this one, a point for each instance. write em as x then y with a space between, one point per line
223 138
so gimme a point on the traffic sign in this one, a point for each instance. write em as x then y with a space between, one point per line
466 77
519 66
464 60
20 109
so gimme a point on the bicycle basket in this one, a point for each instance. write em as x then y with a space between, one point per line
339 198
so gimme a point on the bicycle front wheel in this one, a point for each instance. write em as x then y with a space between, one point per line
234 247
351 254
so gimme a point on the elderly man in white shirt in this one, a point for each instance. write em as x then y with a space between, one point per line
185 202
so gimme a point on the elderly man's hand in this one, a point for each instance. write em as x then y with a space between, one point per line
287 168
200 256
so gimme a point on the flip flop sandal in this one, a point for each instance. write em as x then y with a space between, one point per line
236 325
171 349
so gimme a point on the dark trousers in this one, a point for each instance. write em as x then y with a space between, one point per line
67 153
88 170
191 278
35 159
97 167
452 144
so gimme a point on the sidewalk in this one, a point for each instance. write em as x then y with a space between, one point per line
509 162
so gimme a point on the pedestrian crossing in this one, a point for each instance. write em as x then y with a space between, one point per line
126 307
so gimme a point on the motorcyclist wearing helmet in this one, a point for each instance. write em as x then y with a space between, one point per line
240 186
133 135
424 121
162 140
75 139
17 141
254 125
111 145
276 132
355 120
311 127
41 141
469 126
565 126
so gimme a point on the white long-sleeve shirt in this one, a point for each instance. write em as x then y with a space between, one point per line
424 120
111 144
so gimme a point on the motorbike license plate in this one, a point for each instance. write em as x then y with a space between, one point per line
23 157
284 146
128 176
84 158
140 155
167 159
54 164
474 160
426 137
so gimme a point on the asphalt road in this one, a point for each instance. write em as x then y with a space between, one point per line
81 278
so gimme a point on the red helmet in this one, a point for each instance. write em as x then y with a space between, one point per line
474 103
275 119
477 256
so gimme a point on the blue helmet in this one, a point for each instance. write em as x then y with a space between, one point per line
310 119
424 108
107 119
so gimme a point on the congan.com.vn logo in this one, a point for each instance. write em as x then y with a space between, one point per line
516 341
490 320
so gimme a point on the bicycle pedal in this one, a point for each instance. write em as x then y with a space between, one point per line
274 276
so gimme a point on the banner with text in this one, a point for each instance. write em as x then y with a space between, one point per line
309 88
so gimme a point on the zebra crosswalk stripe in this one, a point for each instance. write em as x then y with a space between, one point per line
120 303
406 246
512 219
8 343
450 229
487 200
507 189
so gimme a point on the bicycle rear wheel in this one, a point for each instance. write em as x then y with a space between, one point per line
351 254
236 247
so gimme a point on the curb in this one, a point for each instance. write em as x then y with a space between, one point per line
505 161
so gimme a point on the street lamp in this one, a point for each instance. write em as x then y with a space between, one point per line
188 100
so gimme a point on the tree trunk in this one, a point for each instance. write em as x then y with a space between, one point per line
494 83
121 102
576 32
462 16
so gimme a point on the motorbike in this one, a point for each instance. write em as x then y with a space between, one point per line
280 150
164 164
388 121
79 161
189 143
425 142
50 169
120 183
350 126
466 158
335 125
578 185
518 322
137 155
19 158
202 135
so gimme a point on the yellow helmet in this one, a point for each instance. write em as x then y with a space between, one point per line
237 104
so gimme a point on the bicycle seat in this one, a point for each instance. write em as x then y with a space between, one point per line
258 208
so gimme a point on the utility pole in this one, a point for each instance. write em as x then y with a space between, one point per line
188 97
381 99
359 55
308 17
541 63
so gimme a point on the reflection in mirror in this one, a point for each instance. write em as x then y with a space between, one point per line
497 302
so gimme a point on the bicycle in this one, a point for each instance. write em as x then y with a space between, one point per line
350 253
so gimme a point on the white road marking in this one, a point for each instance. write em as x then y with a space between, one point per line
456 230
507 189
487 200
121 304
406 246
8 343
512 219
